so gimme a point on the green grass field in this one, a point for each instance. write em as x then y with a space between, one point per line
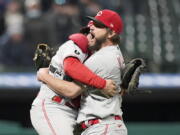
12 128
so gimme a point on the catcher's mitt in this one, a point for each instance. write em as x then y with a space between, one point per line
130 76
42 56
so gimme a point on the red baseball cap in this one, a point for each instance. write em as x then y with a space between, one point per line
110 19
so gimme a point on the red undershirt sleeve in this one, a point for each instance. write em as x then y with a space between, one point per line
75 69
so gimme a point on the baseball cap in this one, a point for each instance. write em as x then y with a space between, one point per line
110 19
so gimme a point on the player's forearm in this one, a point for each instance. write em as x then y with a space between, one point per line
74 68
68 89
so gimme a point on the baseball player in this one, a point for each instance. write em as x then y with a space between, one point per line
98 114
52 112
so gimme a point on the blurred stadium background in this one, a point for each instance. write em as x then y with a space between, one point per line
151 31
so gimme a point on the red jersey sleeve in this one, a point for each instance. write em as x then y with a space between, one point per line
75 69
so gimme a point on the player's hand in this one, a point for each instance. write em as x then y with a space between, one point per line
41 74
110 88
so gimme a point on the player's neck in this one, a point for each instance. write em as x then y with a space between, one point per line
107 43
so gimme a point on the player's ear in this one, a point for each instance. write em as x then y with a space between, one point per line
111 33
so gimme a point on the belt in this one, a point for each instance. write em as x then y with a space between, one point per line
60 100
89 123
54 70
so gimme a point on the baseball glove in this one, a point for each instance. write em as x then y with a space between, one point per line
130 76
42 56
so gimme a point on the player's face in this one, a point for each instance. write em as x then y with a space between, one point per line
97 36
98 32
91 40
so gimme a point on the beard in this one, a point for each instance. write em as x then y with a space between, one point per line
98 43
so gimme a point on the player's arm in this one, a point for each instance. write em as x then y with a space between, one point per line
78 71
65 88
